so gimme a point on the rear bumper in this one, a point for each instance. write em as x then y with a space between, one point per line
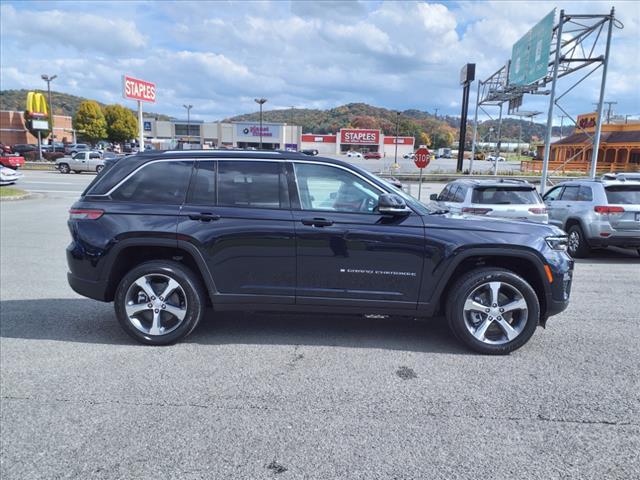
630 240
88 288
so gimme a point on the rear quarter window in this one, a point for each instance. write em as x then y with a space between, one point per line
623 194
158 182
505 196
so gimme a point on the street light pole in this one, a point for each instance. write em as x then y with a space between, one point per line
395 155
260 101
291 126
50 79
188 107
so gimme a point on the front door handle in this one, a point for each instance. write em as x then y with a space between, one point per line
204 216
317 222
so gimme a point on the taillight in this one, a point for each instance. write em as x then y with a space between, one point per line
476 211
84 214
605 209
538 211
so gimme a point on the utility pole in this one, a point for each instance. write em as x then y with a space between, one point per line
395 155
608 109
260 101
291 125
562 117
188 107
436 109
49 79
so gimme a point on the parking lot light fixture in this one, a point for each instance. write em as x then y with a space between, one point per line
260 101
188 107
395 156
49 79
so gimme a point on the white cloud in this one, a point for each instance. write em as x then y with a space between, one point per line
219 56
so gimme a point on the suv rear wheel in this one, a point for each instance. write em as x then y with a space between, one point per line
577 245
493 311
159 302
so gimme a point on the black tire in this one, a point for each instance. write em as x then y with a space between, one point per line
190 284
579 249
77 172
470 282
64 168
99 168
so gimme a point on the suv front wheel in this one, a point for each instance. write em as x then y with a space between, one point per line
159 302
493 311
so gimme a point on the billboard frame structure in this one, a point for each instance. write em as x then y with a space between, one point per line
573 48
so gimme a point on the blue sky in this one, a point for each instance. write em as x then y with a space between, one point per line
218 56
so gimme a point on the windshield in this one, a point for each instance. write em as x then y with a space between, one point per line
623 194
505 196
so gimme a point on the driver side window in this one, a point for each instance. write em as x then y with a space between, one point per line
323 187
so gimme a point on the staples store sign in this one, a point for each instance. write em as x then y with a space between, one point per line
359 136
135 89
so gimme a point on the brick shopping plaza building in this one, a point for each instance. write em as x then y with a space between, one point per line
13 130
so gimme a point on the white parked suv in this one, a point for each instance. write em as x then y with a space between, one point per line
514 199
354 154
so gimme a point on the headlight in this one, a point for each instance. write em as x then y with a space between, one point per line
557 243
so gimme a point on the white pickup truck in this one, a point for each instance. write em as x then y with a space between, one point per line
90 161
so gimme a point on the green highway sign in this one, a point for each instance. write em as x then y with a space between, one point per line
530 54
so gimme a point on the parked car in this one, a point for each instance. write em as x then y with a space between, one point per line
492 158
8 176
492 198
310 151
23 148
73 148
13 161
443 153
409 156
372 155
596 213
163 234
90 161
353 154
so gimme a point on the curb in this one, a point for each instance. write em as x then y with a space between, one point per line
16 197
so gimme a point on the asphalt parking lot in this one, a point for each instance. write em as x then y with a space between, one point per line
317 397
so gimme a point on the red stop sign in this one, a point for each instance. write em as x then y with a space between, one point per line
423 157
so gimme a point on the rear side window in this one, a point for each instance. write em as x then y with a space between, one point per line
202 190
623 194
585 194
570 194
94 155
252 184
159 182
505 196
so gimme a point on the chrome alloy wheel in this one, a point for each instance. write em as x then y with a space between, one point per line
574 242
156 304
495 313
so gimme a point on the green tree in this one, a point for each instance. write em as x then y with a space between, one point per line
90 122
122 124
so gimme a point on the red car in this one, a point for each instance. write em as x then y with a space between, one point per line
372 155
12 161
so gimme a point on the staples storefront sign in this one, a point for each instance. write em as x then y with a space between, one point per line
141 90
356 136
252 130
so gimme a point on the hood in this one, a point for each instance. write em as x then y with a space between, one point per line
491 224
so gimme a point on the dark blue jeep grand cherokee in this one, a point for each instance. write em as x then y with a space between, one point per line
165 234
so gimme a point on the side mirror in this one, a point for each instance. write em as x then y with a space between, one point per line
391 204
434 197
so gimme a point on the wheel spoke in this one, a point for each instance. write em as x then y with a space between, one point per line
136 308
519 304
144 284
495 290
171 286
472 305
508 330
482 329
155 329
176 311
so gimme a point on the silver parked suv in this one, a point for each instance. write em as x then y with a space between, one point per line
597 213
514 199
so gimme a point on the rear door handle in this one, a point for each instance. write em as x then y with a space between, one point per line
204 216
317 222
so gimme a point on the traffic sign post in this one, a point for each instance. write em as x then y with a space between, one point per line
422 159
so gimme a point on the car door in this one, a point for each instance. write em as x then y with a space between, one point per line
347 253
93 161
77 162
551 199
237 214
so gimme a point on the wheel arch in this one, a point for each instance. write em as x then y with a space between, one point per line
524 263
129 253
